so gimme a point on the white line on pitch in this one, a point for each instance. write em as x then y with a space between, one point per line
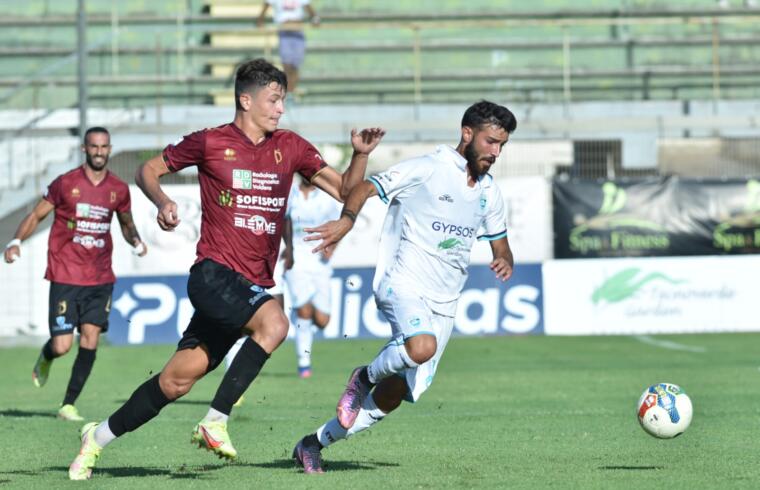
667 344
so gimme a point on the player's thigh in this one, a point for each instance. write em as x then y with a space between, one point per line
185 367
268 326
406 311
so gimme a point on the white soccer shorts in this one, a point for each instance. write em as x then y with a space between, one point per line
309 287
410 314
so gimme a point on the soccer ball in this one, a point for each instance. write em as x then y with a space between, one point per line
664 410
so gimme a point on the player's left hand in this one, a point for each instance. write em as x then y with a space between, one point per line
502 268
366 140
330 233
140 248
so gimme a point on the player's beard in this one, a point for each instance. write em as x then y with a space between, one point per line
472 157
91 162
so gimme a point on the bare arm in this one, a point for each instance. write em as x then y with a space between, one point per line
263 15
287 236
313 17
339 186
333 231
27 227
147 179
129 231
502 262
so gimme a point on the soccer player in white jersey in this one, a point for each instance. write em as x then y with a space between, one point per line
439 205
309 279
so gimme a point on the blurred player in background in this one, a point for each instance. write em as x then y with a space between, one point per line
289 16
309 278
79 260
245 171
439 204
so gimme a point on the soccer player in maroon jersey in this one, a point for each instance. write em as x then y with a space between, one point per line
79 259
245 171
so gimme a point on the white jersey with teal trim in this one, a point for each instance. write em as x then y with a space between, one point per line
307 212
433 221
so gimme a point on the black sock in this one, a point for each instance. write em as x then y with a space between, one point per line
47 350
143 405
313 440
244 369
80 371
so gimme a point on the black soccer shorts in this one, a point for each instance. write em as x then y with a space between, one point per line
224 302
70 306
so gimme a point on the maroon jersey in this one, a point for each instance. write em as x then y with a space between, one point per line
244 193
80 246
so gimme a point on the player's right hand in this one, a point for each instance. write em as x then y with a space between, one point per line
330 233
12 254
167 216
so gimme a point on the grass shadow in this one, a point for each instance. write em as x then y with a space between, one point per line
289 464
179 473
632 468
13 412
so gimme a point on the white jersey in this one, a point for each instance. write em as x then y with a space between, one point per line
433 221
307 212
288 10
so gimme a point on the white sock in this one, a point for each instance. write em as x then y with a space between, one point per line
103 434
214 415
368 416
233 352
304 341
393 359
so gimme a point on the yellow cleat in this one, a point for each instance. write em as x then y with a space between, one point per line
41 371
89 453
70 413
213 436
240 401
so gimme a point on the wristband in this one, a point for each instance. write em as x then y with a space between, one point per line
13 243
138 249
348 214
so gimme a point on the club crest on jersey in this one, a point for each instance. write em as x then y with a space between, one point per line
483 202
241 179
75 193
113 196
230 155
277 156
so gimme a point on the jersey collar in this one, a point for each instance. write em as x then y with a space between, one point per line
450 154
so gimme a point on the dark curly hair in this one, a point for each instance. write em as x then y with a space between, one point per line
256 73
487 113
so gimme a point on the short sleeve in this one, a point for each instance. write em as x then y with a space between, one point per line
401 177
494 224
189 151
53 192
310 161
125 205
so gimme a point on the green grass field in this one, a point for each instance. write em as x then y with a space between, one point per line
505 412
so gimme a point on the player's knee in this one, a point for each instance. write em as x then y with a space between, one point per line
389 394
421 348
174 388
321 320
61 348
